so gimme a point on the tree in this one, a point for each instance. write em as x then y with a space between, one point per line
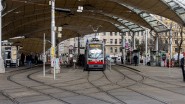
163 43
180 41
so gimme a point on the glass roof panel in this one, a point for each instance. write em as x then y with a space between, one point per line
129 25
150 19
178 6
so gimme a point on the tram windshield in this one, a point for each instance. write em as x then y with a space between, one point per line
95 51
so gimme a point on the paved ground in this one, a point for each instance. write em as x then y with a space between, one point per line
121 85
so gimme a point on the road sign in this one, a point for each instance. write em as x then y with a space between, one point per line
71 47
52 51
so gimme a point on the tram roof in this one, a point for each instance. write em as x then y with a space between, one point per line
32 18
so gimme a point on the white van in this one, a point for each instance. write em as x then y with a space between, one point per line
118 60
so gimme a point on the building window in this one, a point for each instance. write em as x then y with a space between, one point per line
111 41
120 49
166 41
120 34
115 33
115 50
115 41
176 41
176 49
120 41
105 40
110 33
111 50
104 33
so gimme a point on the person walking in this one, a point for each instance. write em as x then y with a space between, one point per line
182 67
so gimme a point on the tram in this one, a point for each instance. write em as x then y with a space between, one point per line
95 55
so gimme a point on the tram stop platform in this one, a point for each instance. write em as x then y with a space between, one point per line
120 85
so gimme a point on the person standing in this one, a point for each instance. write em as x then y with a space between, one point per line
121 59
22 59
182 67
135 59
36 59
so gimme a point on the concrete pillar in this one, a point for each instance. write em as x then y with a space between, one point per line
53 28
123 47
157 48
78 44
171 40
134 41
146 46
170 43
157 43
2 68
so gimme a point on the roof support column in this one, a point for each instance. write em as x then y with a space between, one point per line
78 45
2 68
157 48
123 48
134 41
157 43
170 43
146 47
52 31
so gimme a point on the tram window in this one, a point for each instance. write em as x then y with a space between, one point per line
95 51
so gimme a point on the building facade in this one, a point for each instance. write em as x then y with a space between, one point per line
112 40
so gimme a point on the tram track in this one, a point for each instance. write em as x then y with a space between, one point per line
136 82
10 78
101 90
90 80
63 89
137 71
147 77
6 95
9 97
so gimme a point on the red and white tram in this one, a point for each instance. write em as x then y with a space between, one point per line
95 55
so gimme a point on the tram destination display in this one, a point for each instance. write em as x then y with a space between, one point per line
95 45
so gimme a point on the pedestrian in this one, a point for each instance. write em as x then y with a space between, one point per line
36 59
121 59
182 67
22 59
135 59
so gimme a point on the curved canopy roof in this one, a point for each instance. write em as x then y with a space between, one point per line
32 18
